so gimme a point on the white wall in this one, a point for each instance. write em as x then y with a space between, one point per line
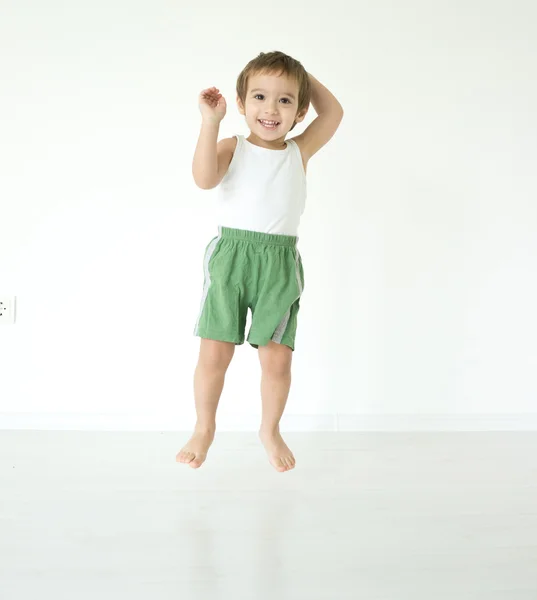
419 237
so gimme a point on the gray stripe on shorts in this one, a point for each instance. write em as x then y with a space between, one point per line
208 254
280 330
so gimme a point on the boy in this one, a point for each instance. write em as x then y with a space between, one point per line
253 262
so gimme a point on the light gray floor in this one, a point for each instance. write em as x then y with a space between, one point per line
368 516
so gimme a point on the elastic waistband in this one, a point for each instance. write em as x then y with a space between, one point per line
256 236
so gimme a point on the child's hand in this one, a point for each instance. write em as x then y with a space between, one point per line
212 105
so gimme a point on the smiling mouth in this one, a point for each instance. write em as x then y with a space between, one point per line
269 124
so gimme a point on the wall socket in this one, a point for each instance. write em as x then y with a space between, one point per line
7 310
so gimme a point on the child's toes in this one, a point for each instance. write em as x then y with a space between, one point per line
196 462
183 457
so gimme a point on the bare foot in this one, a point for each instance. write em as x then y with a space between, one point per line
195 450
280 457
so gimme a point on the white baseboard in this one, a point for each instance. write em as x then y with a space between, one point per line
230 422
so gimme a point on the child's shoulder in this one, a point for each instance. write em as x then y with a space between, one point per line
225 149
228 144
298 141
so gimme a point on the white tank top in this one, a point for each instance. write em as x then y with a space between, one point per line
263 190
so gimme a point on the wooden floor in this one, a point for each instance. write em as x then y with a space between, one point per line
364 516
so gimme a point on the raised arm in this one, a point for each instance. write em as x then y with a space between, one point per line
211 158
205 164
323 127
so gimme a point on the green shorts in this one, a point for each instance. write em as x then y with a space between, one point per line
251 270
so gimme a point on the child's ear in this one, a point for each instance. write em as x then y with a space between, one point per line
240 106
300 116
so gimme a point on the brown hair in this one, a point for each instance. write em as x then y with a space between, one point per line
269 63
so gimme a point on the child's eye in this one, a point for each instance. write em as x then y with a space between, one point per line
287 99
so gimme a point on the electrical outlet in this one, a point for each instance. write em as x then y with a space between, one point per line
7 310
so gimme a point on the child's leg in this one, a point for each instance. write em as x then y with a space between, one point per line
275 384
214 359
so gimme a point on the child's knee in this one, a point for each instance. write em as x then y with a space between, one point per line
216 355
275 360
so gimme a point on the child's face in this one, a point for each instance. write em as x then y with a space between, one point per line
271 98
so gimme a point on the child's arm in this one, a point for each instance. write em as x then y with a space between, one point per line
323 127
211 159
205 163
322 99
